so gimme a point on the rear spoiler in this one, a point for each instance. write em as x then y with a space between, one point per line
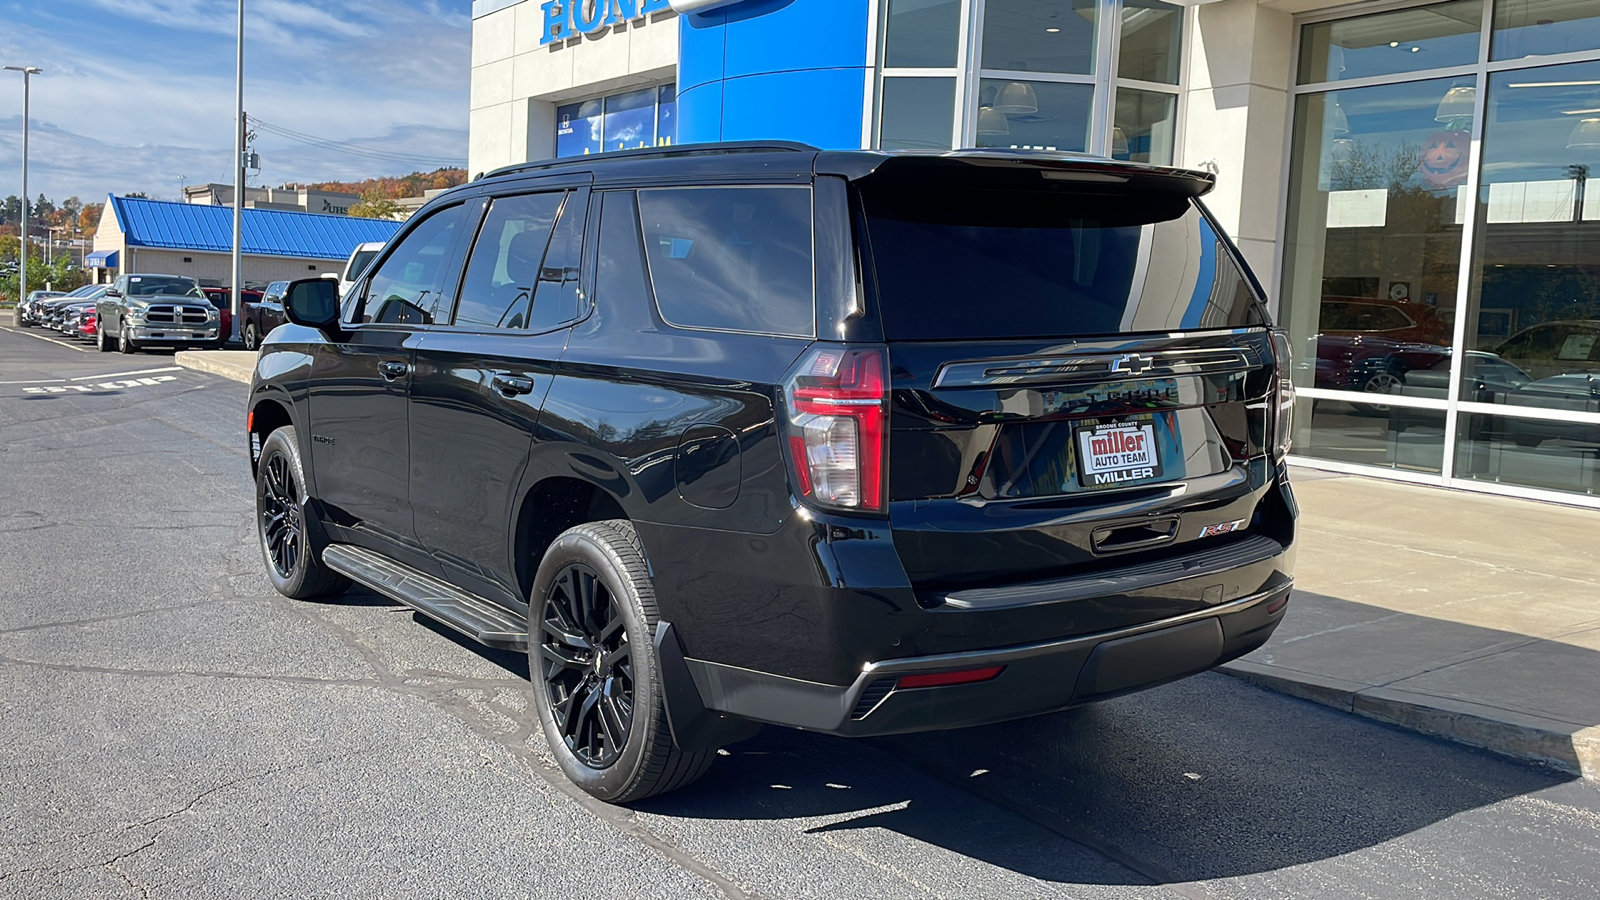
1014 168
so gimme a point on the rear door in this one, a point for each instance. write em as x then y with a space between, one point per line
481 378
1077 377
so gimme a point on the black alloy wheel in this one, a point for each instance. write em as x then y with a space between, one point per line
291 540
587 666
282 530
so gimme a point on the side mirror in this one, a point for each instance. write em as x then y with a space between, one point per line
314 303
113 293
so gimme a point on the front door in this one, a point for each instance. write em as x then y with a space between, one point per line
480 382
360 385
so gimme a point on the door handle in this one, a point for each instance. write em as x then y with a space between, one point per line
512 385
392 370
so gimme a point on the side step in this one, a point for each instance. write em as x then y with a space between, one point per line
477 618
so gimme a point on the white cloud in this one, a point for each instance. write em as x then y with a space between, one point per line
145 91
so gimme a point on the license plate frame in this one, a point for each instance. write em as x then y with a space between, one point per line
1118 451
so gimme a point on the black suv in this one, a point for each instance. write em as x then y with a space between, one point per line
855 442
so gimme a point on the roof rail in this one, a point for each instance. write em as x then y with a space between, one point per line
658 153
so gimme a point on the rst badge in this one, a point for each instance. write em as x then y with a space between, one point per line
1222 528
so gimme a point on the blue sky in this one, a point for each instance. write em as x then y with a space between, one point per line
138 92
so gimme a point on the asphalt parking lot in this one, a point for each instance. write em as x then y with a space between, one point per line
171 727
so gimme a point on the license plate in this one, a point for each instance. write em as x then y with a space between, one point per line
1118 451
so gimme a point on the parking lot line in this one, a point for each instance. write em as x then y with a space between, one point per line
127 374
50 339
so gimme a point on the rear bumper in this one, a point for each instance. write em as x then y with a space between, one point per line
1034 678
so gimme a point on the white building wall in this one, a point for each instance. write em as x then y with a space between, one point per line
213 269
516 84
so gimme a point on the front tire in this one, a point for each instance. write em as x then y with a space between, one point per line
596 678
125 342
102 342
291 550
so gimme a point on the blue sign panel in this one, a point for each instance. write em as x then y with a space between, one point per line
569 18
578 128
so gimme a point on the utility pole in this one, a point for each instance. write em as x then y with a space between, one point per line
238 182
22 273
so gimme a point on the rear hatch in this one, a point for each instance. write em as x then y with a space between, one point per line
1079 372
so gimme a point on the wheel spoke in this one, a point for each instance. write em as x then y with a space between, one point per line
562 632
563 710
615 625
615 657
562 657
613 723
586 710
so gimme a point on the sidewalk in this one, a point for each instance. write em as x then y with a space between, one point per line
235 364
1472 617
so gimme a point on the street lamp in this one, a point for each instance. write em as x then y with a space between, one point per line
22 273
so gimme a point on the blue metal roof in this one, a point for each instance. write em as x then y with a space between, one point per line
267 232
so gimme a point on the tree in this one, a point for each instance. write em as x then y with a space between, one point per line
89 219
43 208
11 210
373 205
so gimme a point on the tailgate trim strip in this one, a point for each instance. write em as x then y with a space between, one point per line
1256 548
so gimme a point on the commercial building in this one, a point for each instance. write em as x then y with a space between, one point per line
197 240
333 203
1408 179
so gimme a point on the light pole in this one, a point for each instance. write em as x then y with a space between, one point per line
238 181
22 272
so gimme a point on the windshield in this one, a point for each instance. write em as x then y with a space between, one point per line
983 264
85 291
164 285
358 264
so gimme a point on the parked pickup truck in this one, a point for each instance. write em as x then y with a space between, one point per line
262 314
139 312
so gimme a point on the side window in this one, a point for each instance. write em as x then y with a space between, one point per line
558 299
620 278
506 261
731 258
406 288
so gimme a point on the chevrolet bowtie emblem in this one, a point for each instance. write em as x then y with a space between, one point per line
1130 364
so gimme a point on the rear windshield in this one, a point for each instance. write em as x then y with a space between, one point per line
978 264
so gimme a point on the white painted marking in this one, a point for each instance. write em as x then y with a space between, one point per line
104 385
50 339
36 381
126 374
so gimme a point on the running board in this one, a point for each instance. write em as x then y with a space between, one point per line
467 613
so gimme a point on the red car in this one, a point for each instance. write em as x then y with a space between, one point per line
89 326
222 299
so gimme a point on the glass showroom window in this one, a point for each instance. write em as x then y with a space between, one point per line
1028 74
1441 269
646 118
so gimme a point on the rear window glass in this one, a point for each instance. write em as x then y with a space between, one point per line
731 258
980 264
358 264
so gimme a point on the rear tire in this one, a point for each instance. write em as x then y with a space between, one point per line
103 343
251 340
291 549
597 681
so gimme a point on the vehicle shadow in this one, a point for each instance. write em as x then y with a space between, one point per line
1205 778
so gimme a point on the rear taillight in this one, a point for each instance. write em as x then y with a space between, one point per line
837 426
1282 397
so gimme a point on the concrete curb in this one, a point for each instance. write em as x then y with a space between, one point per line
211 361
1561 745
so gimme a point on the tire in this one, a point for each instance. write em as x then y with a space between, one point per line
125 342
251 340
291 550
103 343
593 591
1383 381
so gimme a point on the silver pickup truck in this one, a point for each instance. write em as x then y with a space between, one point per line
139 312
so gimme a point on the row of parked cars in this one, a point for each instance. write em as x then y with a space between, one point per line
70 313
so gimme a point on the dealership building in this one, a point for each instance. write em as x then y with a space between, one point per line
1408 180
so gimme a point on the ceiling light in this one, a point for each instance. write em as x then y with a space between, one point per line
1585 135
1052 30
1017 99
1394 43
992 121
1579 112
1119 143
1457 103
1341 122
1415 49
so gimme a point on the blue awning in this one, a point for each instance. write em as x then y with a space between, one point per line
101 259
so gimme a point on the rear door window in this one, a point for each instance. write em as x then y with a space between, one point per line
986 264
503 272
731 258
